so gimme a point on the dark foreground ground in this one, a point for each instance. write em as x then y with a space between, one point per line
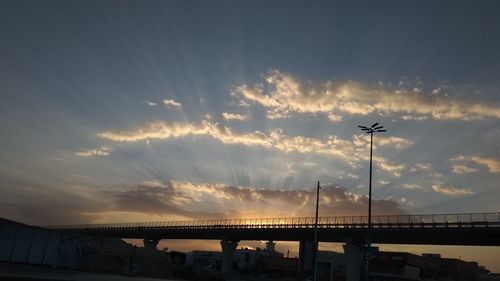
21 272
28 272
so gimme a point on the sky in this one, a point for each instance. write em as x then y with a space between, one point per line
122 111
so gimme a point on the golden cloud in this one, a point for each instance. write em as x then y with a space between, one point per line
452 191
350 151
492 164
283 94
235 116
462 169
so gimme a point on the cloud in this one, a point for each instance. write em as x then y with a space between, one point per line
275 115
349 151
204 200
452 191
156 200
403 200
409 186
163 130
492 164
38 203
396 142
334 117
171 103
462 169
150 103
102 151
235 116
389 166
243 103
54 213
383 182
353 176
414 118
283 94
420 167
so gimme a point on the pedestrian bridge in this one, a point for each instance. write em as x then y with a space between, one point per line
482 229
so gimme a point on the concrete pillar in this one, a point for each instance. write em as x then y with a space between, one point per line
228 249
150 243
354 255
306 257
270 246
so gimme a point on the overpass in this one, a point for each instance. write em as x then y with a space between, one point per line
478 229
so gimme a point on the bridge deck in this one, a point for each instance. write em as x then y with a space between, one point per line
388 221
440 229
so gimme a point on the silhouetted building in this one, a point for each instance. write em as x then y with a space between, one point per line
396 266
177 258
459 269
487 276
204 259
244 259
406 266
331 266
277 266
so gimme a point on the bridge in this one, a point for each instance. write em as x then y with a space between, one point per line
479 229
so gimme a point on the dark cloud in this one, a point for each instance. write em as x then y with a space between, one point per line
159 200
43 204
187 200
222 201
49 213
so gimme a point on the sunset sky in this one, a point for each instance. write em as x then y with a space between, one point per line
121 111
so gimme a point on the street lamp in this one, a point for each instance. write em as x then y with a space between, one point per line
316 235
375 128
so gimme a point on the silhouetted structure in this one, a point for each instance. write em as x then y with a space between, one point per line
443 229
480 229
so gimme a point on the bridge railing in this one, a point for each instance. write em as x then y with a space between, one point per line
382 221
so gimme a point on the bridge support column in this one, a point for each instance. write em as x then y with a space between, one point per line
228 249
306 256
150 243
353 254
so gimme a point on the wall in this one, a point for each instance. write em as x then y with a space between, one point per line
21 243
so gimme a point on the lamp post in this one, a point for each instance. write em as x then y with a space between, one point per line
375 128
